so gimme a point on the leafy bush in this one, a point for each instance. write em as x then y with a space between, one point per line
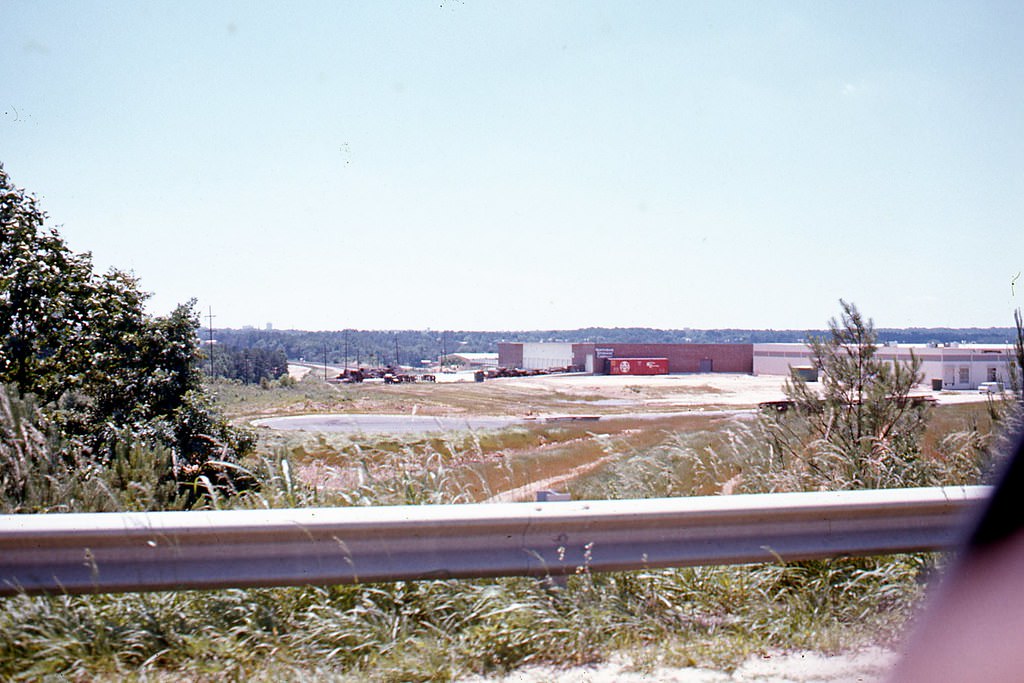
108 378
41 472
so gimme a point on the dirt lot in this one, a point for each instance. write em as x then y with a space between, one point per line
457 394
663 392
660 390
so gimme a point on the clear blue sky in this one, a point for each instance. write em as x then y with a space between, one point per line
523 165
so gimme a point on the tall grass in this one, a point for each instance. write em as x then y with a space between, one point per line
41 472
478 464
441 630
739 456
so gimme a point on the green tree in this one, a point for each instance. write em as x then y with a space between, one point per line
250 365
858 428
45 293
103 371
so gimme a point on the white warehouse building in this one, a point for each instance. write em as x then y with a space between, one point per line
959 366
548 355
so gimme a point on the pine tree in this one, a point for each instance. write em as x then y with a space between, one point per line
859 428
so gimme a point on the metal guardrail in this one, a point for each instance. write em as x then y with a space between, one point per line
114 552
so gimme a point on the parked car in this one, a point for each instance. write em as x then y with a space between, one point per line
990 388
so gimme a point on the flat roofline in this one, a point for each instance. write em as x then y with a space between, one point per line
881 346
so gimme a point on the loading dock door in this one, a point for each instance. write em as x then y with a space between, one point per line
705 365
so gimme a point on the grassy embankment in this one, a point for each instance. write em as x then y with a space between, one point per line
439 630
480 465
589 458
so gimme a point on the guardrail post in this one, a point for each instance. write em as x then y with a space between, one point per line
549 496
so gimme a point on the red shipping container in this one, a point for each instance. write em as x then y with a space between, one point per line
638 366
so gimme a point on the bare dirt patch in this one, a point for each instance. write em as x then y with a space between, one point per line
660 391
863 666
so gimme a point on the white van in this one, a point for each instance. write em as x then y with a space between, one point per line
990 388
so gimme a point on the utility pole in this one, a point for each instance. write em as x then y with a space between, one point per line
325 361
346 349
397 364
210 317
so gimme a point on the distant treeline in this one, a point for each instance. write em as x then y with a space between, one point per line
411 347
251 364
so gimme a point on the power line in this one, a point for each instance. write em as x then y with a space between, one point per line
210 316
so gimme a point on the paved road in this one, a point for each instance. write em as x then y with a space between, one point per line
386 424
422 424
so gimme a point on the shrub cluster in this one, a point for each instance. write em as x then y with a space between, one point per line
107 378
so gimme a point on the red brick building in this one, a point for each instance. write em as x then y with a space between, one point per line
592 357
